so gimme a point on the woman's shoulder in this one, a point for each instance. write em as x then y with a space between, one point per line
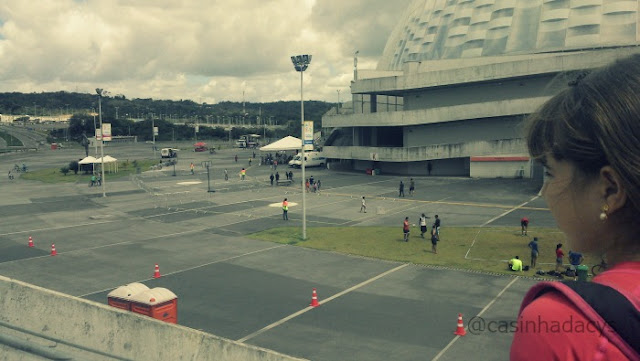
552 328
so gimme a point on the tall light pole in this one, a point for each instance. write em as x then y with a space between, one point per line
104 181
338 107
301 62
153 132
95 128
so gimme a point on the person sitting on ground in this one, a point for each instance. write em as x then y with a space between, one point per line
515 264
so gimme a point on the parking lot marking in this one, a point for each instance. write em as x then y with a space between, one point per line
60 227
309 308
195 267
478 315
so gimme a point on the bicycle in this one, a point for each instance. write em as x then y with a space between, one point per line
599 268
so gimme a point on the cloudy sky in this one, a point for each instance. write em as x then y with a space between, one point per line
203 50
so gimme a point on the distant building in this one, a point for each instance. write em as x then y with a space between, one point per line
457 78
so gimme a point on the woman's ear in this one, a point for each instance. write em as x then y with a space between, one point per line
613 190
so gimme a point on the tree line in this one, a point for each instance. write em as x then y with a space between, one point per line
172 117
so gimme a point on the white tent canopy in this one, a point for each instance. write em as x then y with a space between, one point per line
108 159
88 160
286 143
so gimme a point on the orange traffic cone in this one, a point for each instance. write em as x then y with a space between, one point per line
53 249
156 273
314 299
460 329
30 242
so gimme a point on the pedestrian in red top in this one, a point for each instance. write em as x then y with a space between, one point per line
587 139
406 229
559 257
524 224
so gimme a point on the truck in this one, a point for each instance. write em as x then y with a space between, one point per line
248 141
169 153
312 159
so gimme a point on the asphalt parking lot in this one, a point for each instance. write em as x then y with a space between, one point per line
259 292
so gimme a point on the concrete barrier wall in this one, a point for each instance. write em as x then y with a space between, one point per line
115 332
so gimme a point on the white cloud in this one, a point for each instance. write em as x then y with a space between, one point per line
202 50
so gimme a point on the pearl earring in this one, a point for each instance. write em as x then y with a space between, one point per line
603 214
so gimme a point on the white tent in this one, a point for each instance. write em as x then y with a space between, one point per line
286 143
108 159
88 160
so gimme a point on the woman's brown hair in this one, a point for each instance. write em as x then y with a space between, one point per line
594 122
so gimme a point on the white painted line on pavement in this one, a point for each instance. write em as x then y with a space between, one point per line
309 308
478 315
60 227
195 267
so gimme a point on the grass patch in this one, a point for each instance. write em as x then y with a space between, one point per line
486 248
11 140
53 175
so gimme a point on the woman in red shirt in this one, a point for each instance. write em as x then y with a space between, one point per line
559 256
587 138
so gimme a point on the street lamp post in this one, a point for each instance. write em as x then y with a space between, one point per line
153 134
207 163
338 107
301 63
103 181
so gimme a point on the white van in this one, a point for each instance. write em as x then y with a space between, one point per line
169 152
312 159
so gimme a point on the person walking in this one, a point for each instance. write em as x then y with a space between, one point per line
586 137
401 189
243 173
285 210
412 186
406 229
236 158
559 258
436 226
192 166
434 243
363 205
271 179
534 251
423 225
524 224
277 177
291 176
226 175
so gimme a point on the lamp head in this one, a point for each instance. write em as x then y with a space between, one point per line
301 62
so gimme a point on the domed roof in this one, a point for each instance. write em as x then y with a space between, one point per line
452 29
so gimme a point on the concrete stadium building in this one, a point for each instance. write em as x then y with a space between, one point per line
457 78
